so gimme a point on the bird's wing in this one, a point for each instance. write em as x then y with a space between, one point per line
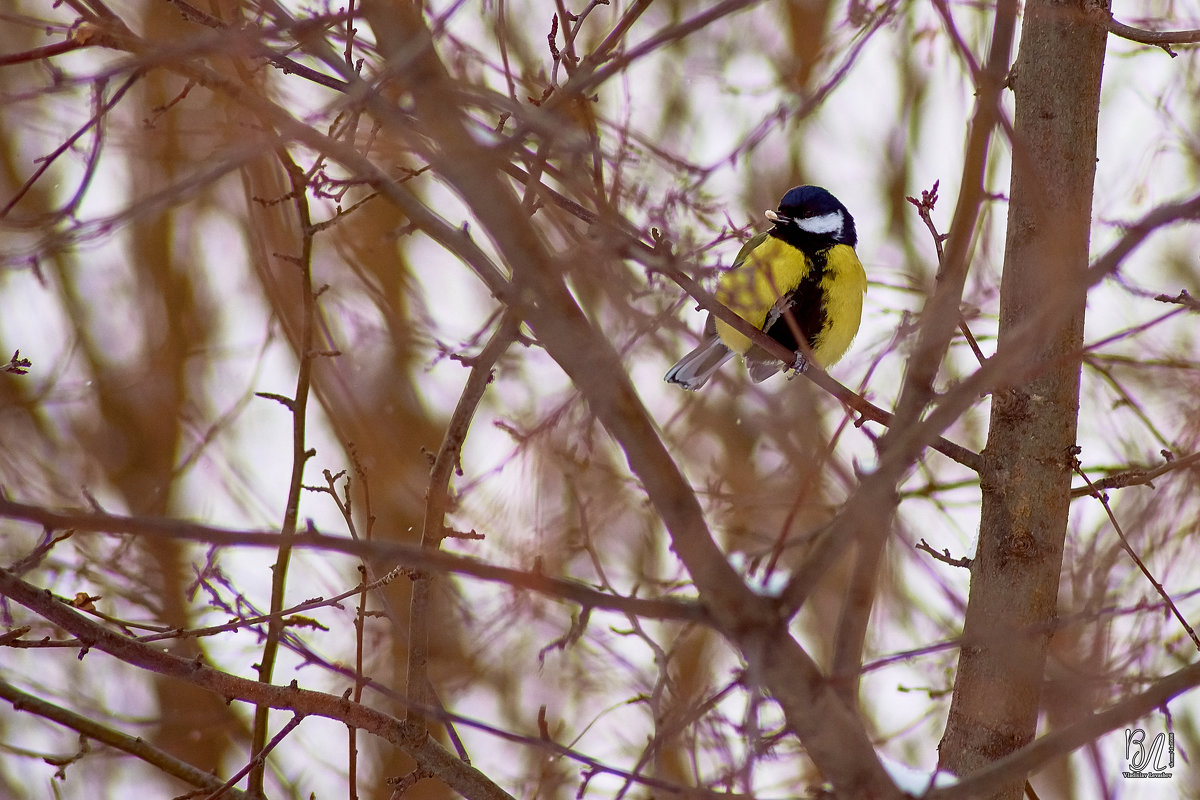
748 248
760 364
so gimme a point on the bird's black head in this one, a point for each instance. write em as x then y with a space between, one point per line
809 215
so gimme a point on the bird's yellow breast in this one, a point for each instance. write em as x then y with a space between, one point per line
760 277
771 269
845 283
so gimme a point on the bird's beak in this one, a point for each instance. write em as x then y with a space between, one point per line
778 219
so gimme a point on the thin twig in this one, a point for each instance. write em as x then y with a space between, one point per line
1163 39
1158 587
17 365
444 764
83 522
1136 476
135 746
258 760
1183 299
95 121
437 503
300 456
943 556
924 208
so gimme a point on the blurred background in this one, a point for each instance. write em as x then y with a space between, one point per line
148 248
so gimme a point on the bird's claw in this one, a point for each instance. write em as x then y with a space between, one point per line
798 367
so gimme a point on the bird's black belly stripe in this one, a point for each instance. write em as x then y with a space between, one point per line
807 304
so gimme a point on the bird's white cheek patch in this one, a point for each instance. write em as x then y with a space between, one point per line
826 223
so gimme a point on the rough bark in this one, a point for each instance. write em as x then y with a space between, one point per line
1027 477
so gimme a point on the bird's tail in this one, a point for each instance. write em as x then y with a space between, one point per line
694 369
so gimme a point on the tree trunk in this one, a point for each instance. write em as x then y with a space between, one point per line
1027 476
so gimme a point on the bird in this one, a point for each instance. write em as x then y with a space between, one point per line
800 276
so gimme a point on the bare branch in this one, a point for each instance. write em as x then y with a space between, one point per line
437 502
1062 741
416 743
135 746
1158 587
412 556
1163 39
944 556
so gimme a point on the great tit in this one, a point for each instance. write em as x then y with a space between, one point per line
801 276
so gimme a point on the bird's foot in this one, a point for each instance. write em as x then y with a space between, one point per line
799 366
